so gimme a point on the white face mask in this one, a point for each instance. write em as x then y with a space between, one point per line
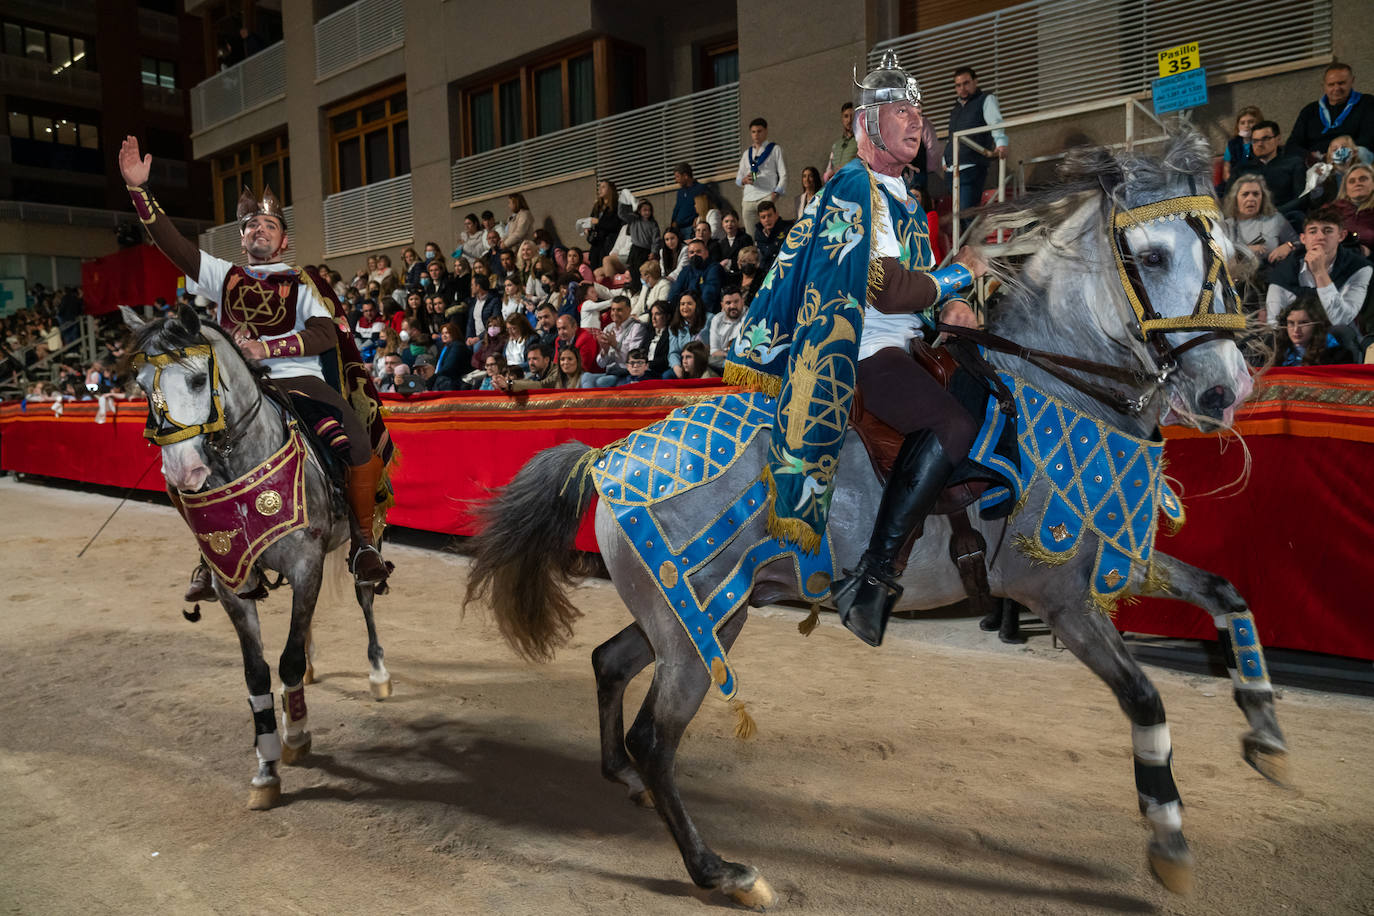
405 336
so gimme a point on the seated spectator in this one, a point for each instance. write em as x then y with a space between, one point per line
414 267
520 225
811 186
660 340
437 279
452 362
485 306
384 276
686 326
1304 338
391 366
653 287
572 336
1238 147
421 375
684 206
493 343
514 302
569 368
637 366
1283 173
724 327
472 241
1324 178
1341 110
695 363
548 248
369 332
1339 275
493 366
1252 223
519 336
770 233
543 372
546 323
391 347
702 230
701 277
670 252
364 275
493 256
460 281
735 241
751 273
708 208
578 267
1356 204
526 259
614 343
603 226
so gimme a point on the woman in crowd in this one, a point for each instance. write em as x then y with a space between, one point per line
577 267
735 241
708 206
459 281
527 262
750 277
1252 223
492 343
549 248
686 326
701 230
1356 204
1324 178
493 365
569 369
605 222
644 239
520 224
1238 147
811 186
414 267
519 336
384 276
449 366
472 241
514 301
1304 338
653 287
695 361
660 339
670 252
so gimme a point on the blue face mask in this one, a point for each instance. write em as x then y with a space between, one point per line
1341 156
425 281
429 255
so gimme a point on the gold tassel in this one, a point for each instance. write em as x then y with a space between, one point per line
718 672
805 627
749 377
793 530
744 723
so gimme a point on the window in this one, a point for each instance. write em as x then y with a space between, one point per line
548 94
370 139
59 49
159 73
64 131
264 163
68 143
719 64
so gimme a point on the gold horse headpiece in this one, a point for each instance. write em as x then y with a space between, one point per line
250 206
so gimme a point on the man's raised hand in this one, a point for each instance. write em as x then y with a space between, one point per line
134 169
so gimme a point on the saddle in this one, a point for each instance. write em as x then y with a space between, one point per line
967 548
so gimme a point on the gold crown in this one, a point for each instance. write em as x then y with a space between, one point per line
250 206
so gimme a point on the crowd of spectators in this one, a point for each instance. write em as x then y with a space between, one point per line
37 356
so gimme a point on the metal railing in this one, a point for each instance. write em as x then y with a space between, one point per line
373 216
84 216
1049 54
357 33
83 345
223 242
637 149
255 81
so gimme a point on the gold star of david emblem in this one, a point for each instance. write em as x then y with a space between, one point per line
1059 532
255 307
1113 579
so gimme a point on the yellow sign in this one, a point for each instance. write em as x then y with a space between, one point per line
1180 59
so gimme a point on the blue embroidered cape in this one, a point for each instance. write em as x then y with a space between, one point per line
800 340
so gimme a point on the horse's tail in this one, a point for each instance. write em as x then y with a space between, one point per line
523 561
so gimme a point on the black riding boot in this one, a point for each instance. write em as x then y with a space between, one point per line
865 599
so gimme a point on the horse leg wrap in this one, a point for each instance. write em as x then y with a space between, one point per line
266 740
1154 779
293 715
1240 646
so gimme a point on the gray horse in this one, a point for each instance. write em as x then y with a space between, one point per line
193 375
1120 234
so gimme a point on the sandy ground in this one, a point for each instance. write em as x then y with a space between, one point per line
942 773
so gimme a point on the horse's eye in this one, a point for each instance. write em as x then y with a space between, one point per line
198 381
1153 257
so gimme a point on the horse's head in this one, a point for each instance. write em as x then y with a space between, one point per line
179 371
1136 275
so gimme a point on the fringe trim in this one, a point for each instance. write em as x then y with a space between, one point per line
805 627
1032 549
749 377
745 727
877 278
1157 580
581 471
792 530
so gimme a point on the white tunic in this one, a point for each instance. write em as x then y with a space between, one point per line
881 329
210 284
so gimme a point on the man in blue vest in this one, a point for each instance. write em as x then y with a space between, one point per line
973 108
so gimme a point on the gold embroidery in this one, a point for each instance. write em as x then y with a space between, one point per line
220 541
269 502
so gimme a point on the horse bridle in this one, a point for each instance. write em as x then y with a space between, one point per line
164 429
1197 211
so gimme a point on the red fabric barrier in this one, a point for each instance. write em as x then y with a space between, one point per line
134 276
1296 541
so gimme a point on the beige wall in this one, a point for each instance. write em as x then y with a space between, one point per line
60 241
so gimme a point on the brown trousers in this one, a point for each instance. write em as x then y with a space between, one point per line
899 392
313 389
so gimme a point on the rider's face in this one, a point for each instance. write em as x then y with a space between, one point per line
263 238
900 124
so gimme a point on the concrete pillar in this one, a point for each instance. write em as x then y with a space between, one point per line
427 99
308 134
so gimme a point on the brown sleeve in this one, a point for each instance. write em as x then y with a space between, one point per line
180 250
893 290
317 337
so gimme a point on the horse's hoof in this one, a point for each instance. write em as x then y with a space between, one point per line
1173 864
294 754
261 798
757 896
643 798
990 623
309 677
1269 762
380 689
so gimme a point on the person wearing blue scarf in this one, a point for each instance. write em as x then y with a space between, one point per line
853 284
1341 110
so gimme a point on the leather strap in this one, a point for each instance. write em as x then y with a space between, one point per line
968 551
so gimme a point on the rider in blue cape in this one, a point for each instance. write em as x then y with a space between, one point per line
853 285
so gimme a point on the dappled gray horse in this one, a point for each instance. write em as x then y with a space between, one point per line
1123 267
257 498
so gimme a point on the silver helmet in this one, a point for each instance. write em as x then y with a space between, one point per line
888 83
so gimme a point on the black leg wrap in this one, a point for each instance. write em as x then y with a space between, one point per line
1154 782
264 722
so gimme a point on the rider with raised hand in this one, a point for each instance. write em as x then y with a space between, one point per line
826 321
278 318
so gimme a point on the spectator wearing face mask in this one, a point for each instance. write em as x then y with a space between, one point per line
751 273
700 277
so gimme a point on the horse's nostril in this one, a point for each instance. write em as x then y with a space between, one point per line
1217 398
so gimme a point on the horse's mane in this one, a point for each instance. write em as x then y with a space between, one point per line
168 335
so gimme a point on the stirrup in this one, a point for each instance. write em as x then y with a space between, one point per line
865 600
201 587
374 569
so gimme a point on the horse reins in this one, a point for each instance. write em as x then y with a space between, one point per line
163 429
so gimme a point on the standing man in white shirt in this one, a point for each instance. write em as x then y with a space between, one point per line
762 173
973 108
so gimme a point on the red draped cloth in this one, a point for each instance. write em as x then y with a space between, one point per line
134 276
1296 540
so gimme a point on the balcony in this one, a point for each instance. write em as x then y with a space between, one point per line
373 216
257 81
32 77
637 149
163 101
24 212
358 33
223 242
